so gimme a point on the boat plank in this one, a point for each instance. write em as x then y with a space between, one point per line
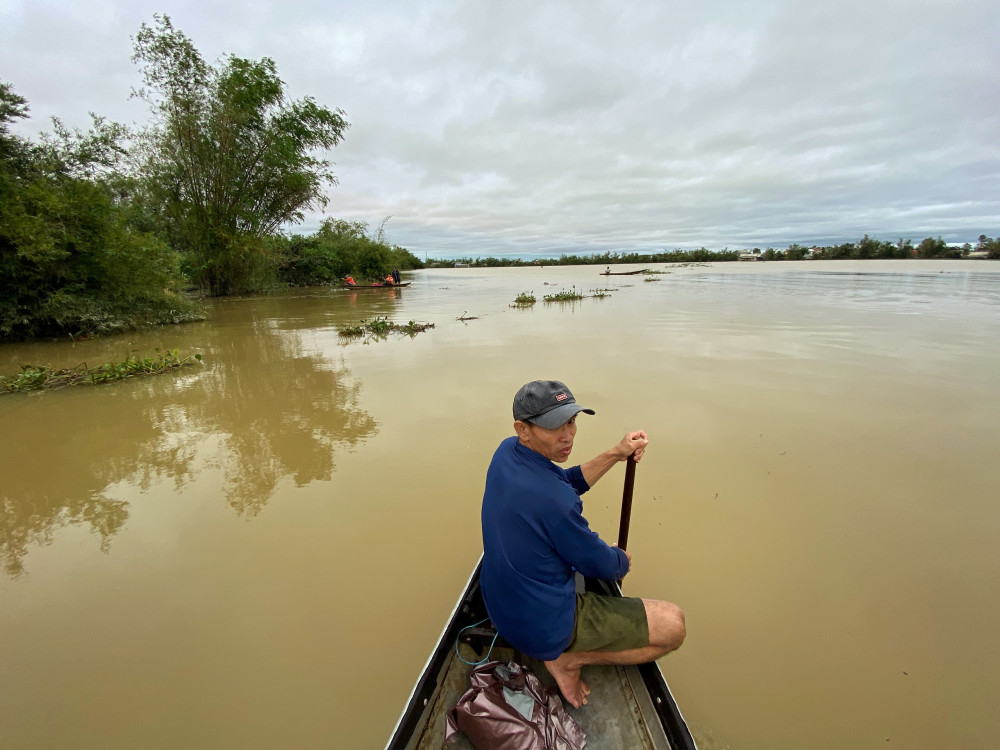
612 718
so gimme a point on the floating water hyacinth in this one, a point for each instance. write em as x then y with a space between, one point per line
381 327
564 296
37 377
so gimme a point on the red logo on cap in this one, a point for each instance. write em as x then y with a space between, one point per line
560 397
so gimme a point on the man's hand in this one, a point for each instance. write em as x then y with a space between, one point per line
632 443
626 555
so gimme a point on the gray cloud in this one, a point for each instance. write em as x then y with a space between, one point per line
548 127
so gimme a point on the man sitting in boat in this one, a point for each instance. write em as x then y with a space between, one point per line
389 280
535 536
350 281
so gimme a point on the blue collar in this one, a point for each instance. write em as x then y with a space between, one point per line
539 459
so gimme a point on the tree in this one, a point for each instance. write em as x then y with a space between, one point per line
866 248
990 246
933 248
227 159
337 249
13 150
70 261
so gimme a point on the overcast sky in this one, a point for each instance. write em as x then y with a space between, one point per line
493 128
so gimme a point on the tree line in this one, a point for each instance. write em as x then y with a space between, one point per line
112 228
866 248
700 255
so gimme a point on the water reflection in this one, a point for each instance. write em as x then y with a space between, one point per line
278 413
61 456
259 411
373 298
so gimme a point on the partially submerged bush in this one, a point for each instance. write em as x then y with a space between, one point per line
564 296
36 377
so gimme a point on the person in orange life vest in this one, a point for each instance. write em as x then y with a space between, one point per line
389 280
350 281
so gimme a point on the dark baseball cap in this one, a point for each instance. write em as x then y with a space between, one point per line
547 403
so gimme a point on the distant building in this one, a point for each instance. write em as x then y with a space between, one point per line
750 256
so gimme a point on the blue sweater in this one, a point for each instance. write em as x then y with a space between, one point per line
534 536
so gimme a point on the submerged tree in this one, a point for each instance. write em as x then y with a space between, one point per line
227 159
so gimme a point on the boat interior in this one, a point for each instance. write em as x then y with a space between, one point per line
626 708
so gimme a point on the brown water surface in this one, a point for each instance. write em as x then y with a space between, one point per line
260 551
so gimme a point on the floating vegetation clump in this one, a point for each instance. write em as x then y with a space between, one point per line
524 299
37 377
352 331
601 293
564 296
652 278
380 328
413 328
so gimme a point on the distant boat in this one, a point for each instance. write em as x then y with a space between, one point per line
623 273
376 286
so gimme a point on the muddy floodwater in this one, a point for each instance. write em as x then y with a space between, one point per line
259 551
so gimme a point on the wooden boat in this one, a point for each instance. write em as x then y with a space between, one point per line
629 707
622 273
376 286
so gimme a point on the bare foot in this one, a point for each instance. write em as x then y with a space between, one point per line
571 685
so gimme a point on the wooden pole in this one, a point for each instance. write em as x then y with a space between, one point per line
626 504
